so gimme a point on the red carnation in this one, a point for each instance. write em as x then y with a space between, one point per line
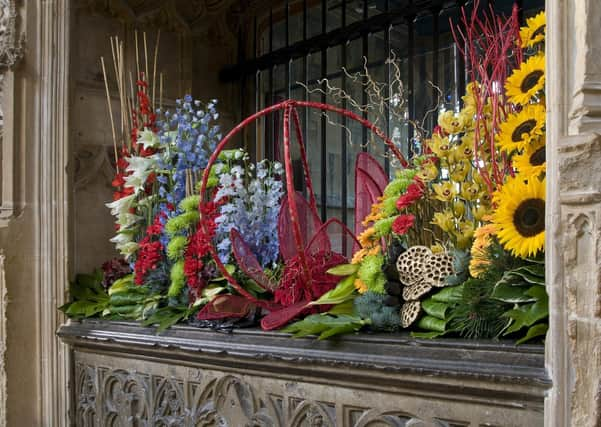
402 224
414 192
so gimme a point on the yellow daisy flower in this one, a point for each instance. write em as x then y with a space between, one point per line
532 161
520 216
534 31
515 133
360 286
526 81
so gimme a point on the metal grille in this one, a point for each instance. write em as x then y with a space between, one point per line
306 40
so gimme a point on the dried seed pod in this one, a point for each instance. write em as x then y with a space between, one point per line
410 264
412 293
409 313
437 268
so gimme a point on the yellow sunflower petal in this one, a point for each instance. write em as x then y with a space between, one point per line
526 81
520 216
532 161
517 131
534 32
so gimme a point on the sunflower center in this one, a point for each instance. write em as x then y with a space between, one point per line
529 217
531 80
522 128
538 157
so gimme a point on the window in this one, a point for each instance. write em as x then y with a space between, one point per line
296 43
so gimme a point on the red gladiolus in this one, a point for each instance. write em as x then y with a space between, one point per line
402 224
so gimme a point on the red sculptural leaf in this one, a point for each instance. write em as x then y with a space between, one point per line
309 224
248 262
279 318
340 236
225 306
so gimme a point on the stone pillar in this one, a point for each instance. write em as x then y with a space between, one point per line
34 210
574 212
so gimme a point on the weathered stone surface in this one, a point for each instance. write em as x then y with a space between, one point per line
189 376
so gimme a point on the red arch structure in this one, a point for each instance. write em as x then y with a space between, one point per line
289 108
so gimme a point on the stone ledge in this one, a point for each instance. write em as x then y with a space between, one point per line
499 373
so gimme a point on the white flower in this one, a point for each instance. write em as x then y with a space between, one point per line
140 168
148 139
122 205
127 249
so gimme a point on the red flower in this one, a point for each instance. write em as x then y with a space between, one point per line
414 192
150 250
402 224
199 246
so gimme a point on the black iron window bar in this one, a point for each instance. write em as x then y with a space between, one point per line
416 30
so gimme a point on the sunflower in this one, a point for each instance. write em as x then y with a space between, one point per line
534 31
526 81
520 216
532 161
516 132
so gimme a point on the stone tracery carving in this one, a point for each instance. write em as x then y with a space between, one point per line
122 398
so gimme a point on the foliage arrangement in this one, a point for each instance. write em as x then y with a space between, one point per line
451 243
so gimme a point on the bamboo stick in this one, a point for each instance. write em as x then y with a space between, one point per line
137 56
154 68
108 99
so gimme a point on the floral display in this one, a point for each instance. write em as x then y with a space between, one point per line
449 243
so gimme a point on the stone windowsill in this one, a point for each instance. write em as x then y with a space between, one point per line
484 371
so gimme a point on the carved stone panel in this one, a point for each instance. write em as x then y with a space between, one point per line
244 380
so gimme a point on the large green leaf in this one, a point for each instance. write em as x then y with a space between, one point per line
325 326
533 332
344 291
344 269
450 294
435 309
430 323
511 294
526 315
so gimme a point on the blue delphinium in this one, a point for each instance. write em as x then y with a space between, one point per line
251 205
188 137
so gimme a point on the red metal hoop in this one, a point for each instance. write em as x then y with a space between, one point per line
289 107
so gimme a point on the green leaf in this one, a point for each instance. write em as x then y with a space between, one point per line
538 292
526 315
436 309
511 294
430 323
344 269
533 332
344 291
325 325
120 285
529 274
346 307
449 294
127 298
